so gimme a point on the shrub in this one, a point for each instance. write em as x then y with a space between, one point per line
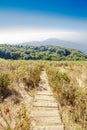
4 82
62 76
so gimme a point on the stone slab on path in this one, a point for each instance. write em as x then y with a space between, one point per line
44 103
47 120
45 113
54 127
44 97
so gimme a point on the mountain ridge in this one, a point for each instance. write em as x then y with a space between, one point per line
57 42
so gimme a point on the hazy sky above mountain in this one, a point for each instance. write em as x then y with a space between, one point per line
30 20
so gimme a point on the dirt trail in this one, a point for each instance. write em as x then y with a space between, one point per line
45 114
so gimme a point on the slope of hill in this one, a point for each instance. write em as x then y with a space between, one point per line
57 42
40 53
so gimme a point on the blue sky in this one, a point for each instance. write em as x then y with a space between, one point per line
65 19
75 8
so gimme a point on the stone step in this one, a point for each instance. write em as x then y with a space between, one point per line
45 93
57 127
46 120
45 109
44 97
45 113
42 100
45 104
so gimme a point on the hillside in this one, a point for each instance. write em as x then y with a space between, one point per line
57 42
27 52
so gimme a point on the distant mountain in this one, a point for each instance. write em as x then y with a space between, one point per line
57 42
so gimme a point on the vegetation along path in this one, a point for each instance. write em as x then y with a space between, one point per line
45 114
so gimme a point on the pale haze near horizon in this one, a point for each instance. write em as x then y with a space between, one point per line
13 36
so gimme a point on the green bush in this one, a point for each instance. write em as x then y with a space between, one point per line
62 76
4 82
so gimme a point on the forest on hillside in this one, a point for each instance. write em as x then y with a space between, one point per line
54 53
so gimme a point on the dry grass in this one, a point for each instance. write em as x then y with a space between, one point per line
68 81
19 80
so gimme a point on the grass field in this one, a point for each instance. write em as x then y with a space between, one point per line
68 81
20 79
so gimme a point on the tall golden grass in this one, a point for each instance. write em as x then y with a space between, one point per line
68 81
65 78
14 114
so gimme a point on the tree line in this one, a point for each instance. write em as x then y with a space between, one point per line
55 53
